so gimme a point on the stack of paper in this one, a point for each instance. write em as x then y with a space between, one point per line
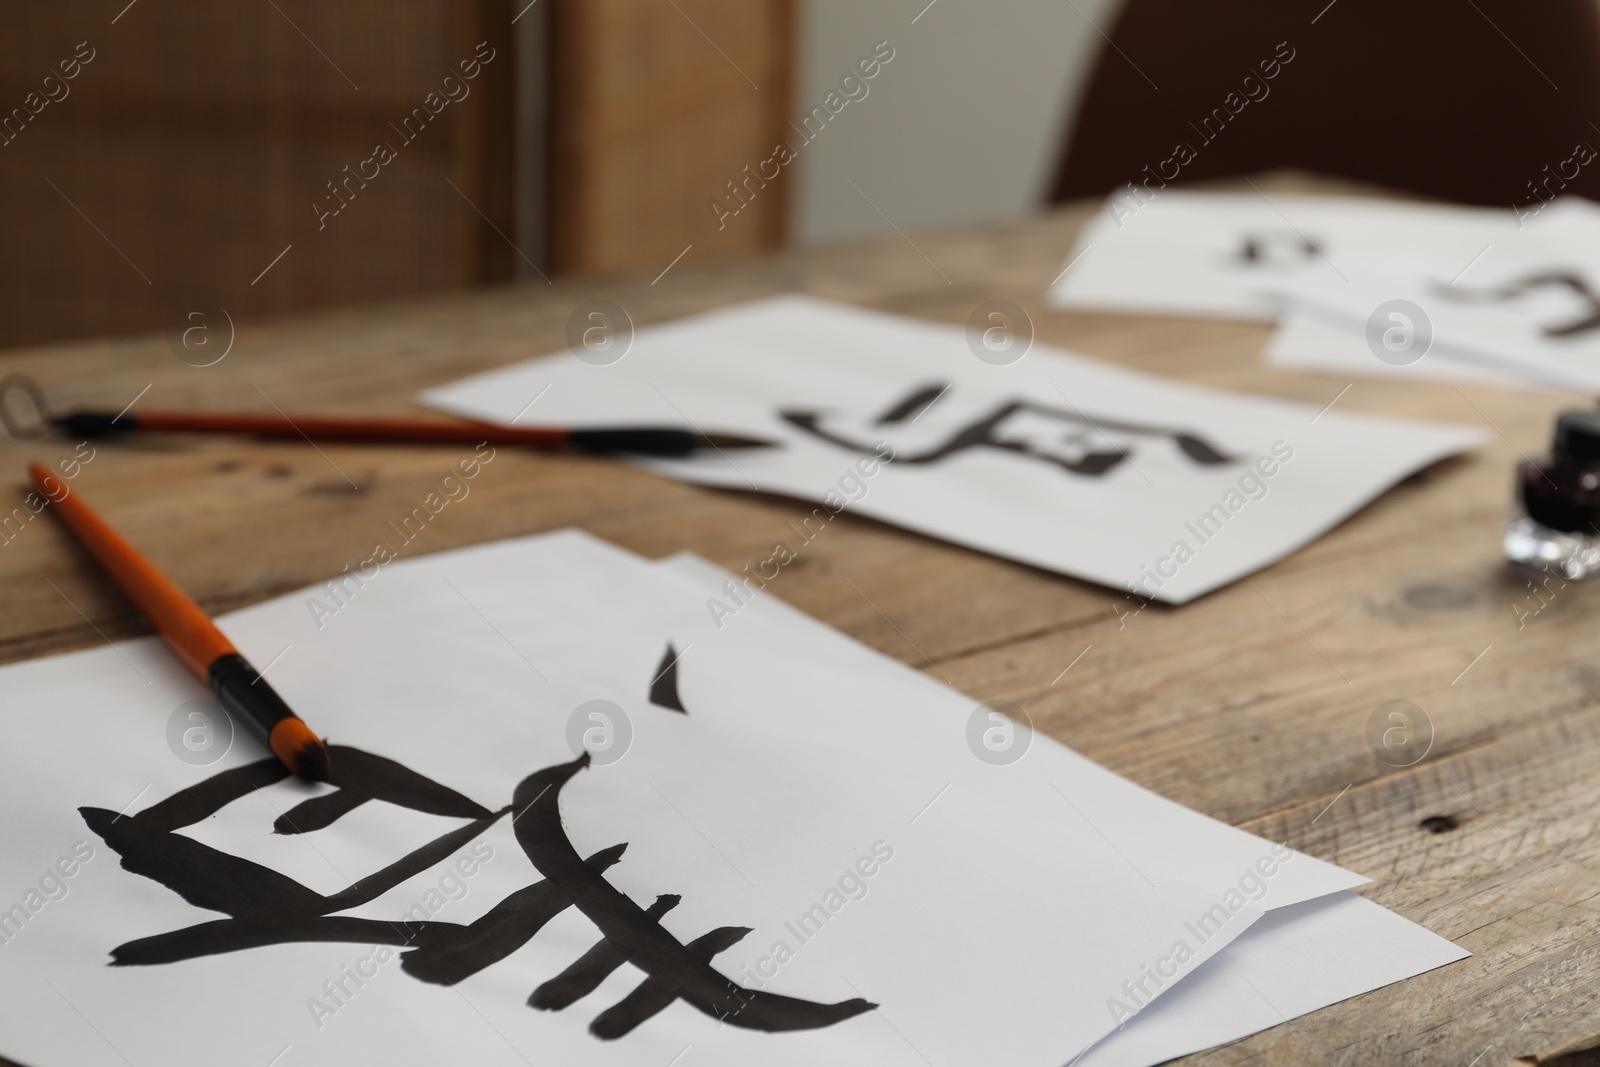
593 810
1148 485
1362 286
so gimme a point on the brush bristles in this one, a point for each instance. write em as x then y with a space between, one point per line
732 440
302 751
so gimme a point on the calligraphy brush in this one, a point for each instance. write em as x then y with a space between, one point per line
201 647
636 440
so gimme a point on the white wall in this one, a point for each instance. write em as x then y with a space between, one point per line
965 124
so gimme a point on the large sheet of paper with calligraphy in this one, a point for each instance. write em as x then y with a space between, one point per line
1160 488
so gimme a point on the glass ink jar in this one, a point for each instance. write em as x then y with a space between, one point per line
1556 525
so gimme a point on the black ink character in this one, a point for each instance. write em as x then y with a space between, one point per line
1276 247
265 907
1082 457
1588 317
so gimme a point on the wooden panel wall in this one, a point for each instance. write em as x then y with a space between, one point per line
189 149
656 108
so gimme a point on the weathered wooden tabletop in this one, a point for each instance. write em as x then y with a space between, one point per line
1250 704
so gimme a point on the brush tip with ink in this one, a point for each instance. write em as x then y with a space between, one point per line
190 633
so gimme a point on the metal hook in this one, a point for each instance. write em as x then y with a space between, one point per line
13 383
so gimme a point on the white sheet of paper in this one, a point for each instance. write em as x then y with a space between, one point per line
892 709
1306 341
1509 337
1072 465
1314 948
470 668
1294 961
1222 254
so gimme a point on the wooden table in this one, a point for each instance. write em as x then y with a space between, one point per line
1250 705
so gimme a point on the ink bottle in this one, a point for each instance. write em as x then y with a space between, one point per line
1555 524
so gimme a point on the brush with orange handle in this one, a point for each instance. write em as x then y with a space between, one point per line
190 633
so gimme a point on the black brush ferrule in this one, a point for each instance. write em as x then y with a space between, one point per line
245 695
640 441
87 424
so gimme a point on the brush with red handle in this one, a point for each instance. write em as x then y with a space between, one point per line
636 440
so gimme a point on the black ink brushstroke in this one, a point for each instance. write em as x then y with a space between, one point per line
319 813
590 969
444 846
642 941
1200 450
360 777
234 935
1259 248
1561 279
918 401
985 431
657 992
507 926
664 689
204 799
204 876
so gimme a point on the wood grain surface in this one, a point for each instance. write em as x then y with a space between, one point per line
1250 704
203 141
663 118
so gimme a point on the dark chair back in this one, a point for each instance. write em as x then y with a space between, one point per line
1479 101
